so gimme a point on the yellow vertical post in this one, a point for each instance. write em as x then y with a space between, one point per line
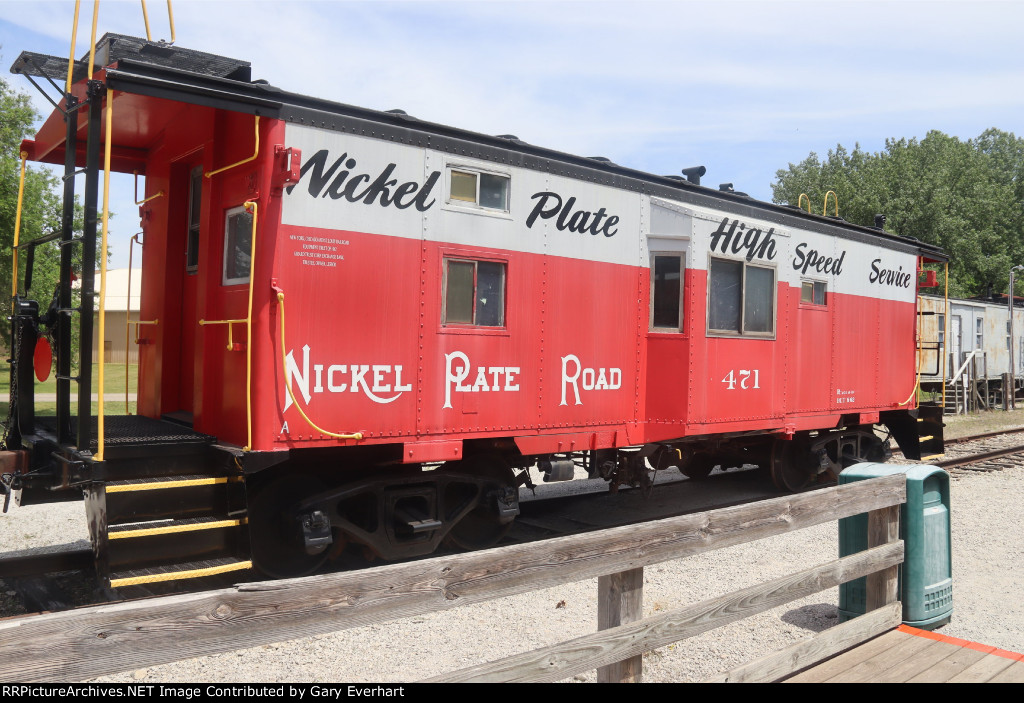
17 226
92 43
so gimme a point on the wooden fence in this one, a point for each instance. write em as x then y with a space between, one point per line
89 642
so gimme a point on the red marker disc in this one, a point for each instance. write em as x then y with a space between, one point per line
42 359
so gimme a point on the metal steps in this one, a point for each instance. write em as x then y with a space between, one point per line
174 516
174 497
160 542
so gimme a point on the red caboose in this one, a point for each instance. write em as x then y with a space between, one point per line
359 327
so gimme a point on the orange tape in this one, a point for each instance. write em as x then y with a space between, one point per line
966 644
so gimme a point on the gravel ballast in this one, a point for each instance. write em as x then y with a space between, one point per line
988 565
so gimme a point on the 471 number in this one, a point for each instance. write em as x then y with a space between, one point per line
746 379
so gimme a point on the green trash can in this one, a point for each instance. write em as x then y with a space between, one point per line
926 574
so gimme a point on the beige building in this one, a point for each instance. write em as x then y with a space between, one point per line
119 305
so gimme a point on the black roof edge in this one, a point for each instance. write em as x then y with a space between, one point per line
134 76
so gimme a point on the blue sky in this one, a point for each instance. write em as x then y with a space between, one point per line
743 88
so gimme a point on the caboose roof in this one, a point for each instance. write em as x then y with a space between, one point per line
146 74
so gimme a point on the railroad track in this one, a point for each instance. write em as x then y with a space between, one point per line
34 579
48 581
986 435
988 451
991 460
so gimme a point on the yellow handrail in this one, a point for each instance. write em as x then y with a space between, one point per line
835 199
17 226
103 263
945 336
144 200
917 346
74 37
255 153
249 205
801 199
142 322
170 19
230 324
288 384
248 316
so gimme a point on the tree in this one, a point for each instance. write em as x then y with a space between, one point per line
967 197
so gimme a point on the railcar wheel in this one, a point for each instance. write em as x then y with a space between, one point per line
275 533
791 465
481 527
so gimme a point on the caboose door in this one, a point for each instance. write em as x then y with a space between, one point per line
189 292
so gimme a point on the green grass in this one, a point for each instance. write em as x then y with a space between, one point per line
113 384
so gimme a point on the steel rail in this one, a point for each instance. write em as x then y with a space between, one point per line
963 461
985 435
48 563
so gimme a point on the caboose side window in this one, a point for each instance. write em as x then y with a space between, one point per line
474 293
741 298
237 246
667 291
813 292
195 198
478 188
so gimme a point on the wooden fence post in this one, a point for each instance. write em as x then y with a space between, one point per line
883 527
620 601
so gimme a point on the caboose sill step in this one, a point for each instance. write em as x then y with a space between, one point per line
171 526
175 572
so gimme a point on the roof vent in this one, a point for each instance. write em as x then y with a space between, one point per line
694 173
510 137
727 188
396 111
603 159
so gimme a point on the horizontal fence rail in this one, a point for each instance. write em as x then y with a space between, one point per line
89 642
